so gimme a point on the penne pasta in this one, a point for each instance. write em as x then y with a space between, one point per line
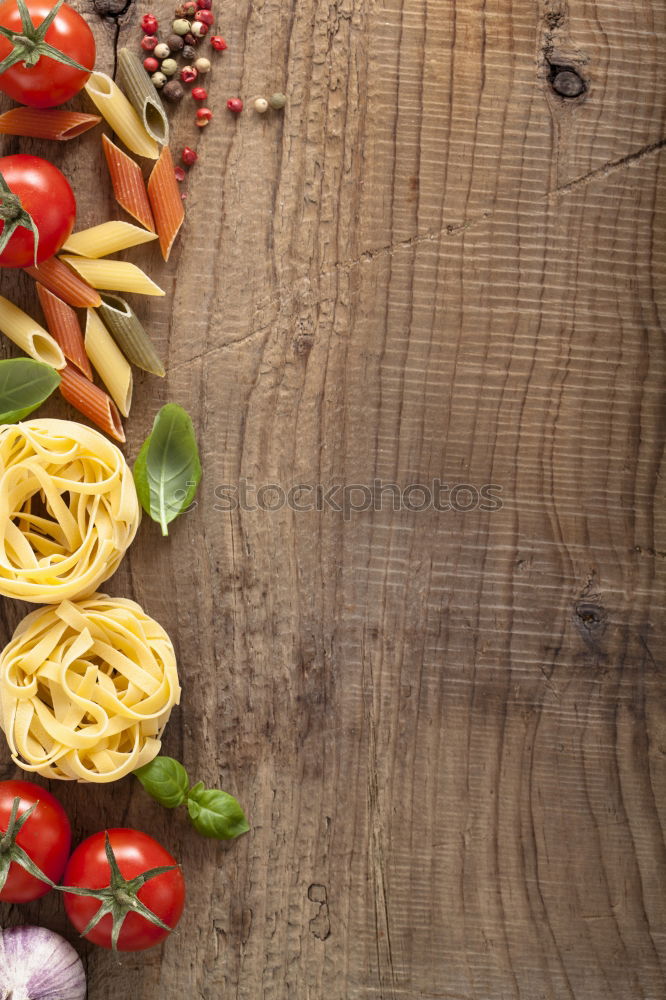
109 237
143 97
38 124
113 275
110 101
91 401
29 335
64 328
64 283
165 201
125 328
108 362
129 188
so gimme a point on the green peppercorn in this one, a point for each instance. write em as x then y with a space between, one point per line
180 26
276 101
169 67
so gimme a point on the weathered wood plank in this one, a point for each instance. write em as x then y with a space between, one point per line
447 726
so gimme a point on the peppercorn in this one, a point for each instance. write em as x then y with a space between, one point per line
205 16
189 53
204 4
234 104
148 43
218 43
151 65
199 94
198 29
202 65
175 43
162 51
149 24
188 74
203 116
277 101
158 80
188 156
261 105
169 67
180 26
189 39
173 91
179 174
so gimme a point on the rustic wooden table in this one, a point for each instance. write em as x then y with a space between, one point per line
447 726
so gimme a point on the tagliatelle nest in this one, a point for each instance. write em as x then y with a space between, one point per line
86 689
68 510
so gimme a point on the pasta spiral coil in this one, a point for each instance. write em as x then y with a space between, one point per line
86 689
68 510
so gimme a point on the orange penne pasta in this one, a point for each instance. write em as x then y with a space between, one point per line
37 124
165 201
64 283
64 328
91 401
129 188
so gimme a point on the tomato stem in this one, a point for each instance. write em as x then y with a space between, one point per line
120 896
10 852
30 44
13 215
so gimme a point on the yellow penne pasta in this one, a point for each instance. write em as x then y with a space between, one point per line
113 275
29 335
108 362
110 101
109 237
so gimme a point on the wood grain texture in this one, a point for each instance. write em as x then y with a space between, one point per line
448 728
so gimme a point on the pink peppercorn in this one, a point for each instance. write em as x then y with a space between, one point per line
234 104
218 43
188 74
204 4
199 94
205 16
188 156
179 174
203 116
148 43
151 65
149 24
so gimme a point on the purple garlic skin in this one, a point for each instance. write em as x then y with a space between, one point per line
38 964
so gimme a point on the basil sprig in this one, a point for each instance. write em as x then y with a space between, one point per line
24 385
213 813
167 470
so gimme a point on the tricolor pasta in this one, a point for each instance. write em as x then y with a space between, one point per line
86 689
27 334
113 275
129 188
110 101
68 510
108 237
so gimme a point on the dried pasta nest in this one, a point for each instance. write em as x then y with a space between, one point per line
68 510
86 689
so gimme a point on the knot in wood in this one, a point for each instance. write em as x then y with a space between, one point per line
566 82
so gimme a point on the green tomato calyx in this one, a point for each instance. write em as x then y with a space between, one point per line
13 215
10 852
29 44
120 896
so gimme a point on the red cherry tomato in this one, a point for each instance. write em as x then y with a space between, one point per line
46 195
48 82
46 837
135 852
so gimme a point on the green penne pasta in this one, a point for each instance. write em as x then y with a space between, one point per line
137 86
124 326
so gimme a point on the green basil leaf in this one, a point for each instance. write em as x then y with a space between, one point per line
167 470
215 813
24 385
166 780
